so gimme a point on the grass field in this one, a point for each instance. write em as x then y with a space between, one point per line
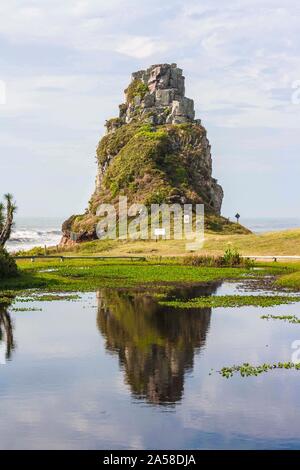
290 281
88 275
164 263
274 243
85 275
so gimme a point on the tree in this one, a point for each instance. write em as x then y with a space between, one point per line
7 211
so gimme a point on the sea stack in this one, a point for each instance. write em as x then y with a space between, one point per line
155 151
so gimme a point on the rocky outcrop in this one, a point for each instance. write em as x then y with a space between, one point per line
154 151
156 96
163 100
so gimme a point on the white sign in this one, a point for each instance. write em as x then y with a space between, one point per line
186 219
160 232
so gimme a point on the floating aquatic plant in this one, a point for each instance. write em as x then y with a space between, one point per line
288 318
246 369
29 309
232 301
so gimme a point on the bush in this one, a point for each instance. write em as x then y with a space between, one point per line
230 258
208 261
8 266
36 251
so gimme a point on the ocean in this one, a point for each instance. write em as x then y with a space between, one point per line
40 231
29 232
268 224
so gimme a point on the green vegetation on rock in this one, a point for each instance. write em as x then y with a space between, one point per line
138 162
136 88
151 165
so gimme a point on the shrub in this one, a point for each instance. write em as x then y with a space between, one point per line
208 261
8 266
230 258
36 251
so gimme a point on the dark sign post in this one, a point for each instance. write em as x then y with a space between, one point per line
237 216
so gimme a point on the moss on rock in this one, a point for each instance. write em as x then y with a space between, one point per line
136 88
153 165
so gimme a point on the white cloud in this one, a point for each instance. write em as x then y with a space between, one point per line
141 47
66 64
82 25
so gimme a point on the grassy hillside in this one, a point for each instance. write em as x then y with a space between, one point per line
292 280
274 243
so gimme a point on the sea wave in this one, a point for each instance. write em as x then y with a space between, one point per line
24 238
33 235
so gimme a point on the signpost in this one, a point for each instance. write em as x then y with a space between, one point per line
159 232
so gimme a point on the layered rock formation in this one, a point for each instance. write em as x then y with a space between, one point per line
155 151
164 96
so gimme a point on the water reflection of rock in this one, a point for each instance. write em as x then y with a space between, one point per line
155 344
6 332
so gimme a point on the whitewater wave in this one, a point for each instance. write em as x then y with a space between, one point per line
32 235
24 239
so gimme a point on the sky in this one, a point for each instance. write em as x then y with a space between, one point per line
64 66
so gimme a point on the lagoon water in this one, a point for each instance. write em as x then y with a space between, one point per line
116 370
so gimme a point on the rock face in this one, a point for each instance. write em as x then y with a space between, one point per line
157 96
154 151
164 98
